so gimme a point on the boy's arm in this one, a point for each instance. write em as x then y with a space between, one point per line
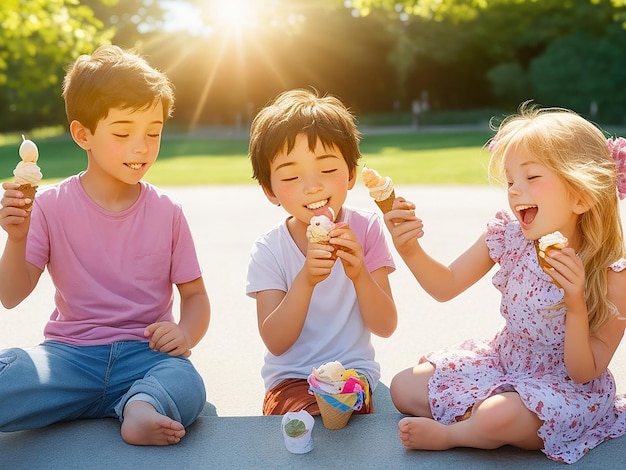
376 303
18 277
281 315
195 310
373 291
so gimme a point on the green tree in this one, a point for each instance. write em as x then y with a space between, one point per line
38 39
584 73
130 19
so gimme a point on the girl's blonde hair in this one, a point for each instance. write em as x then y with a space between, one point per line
577 150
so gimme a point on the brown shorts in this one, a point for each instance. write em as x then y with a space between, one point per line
293 395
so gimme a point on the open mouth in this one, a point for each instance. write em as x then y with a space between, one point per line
317 205
321 208
527 213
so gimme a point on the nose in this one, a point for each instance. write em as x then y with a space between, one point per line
140 145
312 185
513 190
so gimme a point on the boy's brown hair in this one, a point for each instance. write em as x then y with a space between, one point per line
295 112
113 78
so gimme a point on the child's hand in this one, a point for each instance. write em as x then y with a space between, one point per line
12 216
318 262
169 338
348 249
405 228
568 271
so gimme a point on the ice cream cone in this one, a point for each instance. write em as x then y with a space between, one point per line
386 204
333 417
29 192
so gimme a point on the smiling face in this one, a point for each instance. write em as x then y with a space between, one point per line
124 144
539 198
306 181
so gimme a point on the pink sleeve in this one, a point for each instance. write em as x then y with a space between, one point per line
496 229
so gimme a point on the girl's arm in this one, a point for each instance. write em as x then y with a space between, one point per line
441 282
587 357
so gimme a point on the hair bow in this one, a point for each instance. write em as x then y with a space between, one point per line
617 148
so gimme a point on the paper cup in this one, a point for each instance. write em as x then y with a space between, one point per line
300 442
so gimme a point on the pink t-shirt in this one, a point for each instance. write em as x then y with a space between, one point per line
113 271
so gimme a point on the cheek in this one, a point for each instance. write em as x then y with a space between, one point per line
283 190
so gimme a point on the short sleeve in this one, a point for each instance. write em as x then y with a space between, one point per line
619 265
496 235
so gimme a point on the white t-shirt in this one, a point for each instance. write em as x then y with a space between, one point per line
333 329
113 271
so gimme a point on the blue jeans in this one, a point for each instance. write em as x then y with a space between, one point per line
59 382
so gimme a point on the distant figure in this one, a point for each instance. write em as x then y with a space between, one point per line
416 110
542 382
114 246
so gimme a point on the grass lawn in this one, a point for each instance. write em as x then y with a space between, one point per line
415 158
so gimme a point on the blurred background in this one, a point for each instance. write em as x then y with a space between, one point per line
393 62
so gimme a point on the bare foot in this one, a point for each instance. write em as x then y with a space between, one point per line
423 434
144 426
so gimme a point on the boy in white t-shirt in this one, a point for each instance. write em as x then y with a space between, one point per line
113 246
311 308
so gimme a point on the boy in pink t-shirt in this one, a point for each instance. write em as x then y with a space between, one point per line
114 246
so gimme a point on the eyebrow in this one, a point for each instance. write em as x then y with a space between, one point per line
132 122
317 158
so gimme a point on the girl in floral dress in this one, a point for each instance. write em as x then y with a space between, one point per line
542 382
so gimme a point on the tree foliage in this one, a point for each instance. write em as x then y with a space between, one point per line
39 38
377 55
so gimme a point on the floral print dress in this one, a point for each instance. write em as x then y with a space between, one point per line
527 356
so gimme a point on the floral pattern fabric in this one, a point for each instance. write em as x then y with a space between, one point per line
527 356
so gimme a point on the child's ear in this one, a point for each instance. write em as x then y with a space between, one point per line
80 135
581 204
352 180
270 196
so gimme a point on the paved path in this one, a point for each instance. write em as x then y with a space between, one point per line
226 220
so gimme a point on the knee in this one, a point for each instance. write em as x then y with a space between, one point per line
497 413
407 395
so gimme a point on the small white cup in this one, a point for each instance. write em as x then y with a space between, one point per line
303 443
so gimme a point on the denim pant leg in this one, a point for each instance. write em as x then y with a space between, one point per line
49 383
175 387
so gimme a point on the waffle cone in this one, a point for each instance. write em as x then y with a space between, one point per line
386 204
29 192
542 262
332 418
